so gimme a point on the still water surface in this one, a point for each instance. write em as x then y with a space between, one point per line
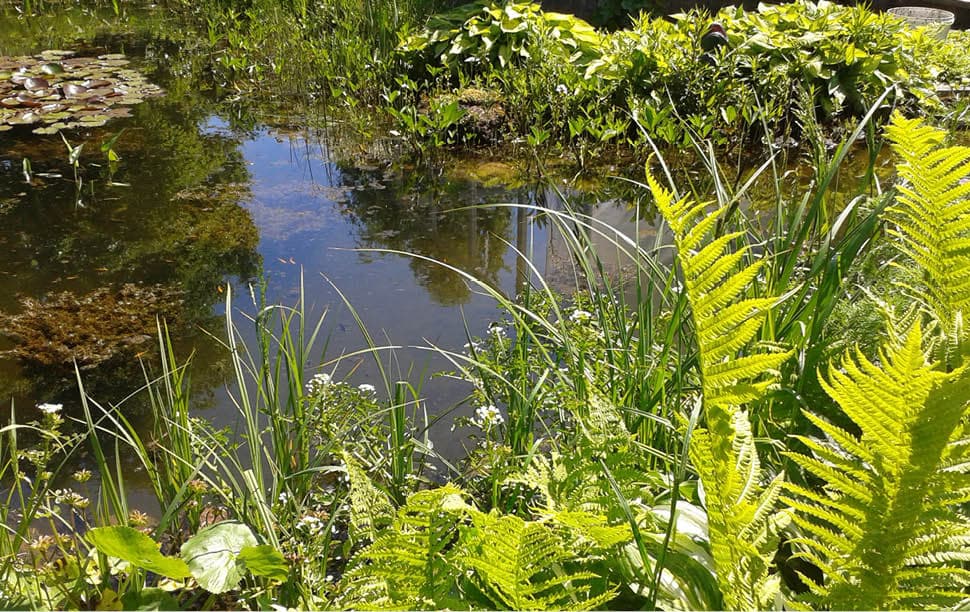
208 194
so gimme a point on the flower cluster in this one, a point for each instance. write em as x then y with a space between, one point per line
487 417
319 382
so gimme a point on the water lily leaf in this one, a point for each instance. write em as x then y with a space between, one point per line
137 549
4 128
52 68
55 53
33 83
212 555
264 560
47 129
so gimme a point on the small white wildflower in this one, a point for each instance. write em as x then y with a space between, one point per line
318 382
487 417
329 578
366 388
580 316
50 408
284 497
311 524
561 89
497 330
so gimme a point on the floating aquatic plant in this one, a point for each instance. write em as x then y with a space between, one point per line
64 328
55 91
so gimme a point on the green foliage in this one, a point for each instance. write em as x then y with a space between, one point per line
931 217
886 528
138 549
213 555
443 552
407 566
515 562
558 75
741 513
370 508
481 35
217 557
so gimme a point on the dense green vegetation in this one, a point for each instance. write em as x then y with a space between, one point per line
694 432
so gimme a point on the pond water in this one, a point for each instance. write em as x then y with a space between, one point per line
200 190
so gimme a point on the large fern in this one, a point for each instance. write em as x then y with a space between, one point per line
740 509
442 552
931 216
573 479
886 529
533 565
406 566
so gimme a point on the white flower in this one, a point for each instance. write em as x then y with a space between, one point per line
561 89
580 315
310 523
366 388
318 382
496 329
487 417
50 408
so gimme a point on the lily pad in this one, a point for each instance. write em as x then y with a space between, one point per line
65 91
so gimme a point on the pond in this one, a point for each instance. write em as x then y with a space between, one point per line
201 190
160 211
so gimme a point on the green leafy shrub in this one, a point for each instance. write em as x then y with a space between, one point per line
482 35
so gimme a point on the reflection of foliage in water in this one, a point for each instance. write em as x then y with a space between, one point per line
177 221
424 222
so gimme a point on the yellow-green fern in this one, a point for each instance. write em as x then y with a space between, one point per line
741 517
886 529
931 216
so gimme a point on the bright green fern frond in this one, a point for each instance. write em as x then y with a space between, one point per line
531 565
573 480
406 566
932 215
742 517
886 527
370 508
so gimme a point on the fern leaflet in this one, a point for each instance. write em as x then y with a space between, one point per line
740 509
932 215
886 530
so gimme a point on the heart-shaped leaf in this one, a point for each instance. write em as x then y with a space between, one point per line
212 555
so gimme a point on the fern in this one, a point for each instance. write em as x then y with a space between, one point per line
932 216
574 480
524 565
406 566
740 510
886 530
441 552
370 508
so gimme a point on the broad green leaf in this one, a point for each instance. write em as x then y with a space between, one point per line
149 599
264 560
212 555
137 549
